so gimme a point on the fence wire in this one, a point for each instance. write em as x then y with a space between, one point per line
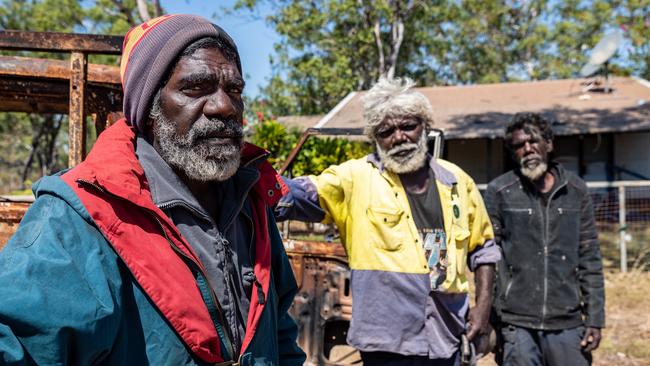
622 212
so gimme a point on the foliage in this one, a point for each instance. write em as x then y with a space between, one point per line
634 16
316 154
34 145
332 47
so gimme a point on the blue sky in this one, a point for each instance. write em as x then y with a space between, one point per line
253 38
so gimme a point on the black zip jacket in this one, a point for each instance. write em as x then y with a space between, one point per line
550 276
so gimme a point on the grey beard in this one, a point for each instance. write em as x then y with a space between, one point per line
199 161
533 173
408 163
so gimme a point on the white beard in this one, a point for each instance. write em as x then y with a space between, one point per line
199 161
532 172
408 163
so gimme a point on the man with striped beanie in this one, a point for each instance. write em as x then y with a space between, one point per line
160 248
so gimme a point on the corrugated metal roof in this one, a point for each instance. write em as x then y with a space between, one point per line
482 111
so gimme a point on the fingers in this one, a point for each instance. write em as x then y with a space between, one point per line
473 332
591 339
594 342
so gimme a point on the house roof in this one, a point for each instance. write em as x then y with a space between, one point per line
483 111
300 122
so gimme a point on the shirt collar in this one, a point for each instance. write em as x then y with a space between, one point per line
165 185
443 175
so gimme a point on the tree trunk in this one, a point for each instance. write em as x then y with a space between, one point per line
36 140
398 37
143 10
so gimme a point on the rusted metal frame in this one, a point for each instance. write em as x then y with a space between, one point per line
10 215
294 152
319 248
60 42
321 301
25 95
316 131
77 114
21 94
337 131
38 68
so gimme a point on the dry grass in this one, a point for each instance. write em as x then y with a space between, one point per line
626 340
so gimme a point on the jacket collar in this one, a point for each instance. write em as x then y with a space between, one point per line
113 165
442 175
167 189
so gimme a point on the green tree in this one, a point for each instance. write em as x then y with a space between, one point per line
316 154
32 144
634 17
330 48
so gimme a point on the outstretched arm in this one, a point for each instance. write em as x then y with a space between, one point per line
301 203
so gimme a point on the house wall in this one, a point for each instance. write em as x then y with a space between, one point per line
632 152
590 156
482 159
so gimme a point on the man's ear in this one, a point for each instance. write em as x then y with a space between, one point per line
549 143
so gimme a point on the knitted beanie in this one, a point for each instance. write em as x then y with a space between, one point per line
148 54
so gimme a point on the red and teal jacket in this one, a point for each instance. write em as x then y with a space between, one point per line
97 274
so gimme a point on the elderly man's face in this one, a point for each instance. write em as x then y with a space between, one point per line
197 124
401 144
531 151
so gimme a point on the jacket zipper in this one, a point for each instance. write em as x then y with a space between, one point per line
545 225
226 245
227 266
219 311
261 300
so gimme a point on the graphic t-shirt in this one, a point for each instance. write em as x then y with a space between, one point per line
427 214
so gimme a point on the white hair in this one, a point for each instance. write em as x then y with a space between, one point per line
394 98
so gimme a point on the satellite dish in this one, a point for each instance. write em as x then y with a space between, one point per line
602 52
589 70
606 47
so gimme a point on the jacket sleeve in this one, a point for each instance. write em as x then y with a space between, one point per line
51 310
285 283
317 197
300 203
590 267
478 221
494 211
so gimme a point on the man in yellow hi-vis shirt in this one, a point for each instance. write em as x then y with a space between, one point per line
411 225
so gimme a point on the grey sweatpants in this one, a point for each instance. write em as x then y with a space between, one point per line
532 347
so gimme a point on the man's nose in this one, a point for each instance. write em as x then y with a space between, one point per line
219 104
528 147
399 136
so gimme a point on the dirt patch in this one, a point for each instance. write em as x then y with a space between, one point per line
626 340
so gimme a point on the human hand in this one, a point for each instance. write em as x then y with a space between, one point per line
591 339
478 322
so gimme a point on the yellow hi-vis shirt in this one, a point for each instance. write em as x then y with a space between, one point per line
373 215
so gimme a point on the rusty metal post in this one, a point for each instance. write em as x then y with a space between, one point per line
77 116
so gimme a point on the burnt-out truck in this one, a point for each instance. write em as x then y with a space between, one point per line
322 307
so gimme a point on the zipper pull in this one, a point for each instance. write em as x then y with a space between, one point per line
260 292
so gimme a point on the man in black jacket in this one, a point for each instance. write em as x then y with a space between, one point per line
550 295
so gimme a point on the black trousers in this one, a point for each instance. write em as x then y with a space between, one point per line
532 347
394 359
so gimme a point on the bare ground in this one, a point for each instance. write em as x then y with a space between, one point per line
626 340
